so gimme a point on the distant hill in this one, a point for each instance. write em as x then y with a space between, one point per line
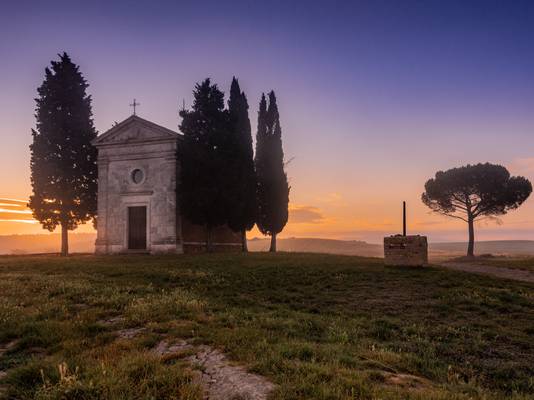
84 243
313 245
353 247
495 247
46 243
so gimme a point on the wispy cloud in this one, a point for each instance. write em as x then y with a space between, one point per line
13 210
14 201
301 214
24 221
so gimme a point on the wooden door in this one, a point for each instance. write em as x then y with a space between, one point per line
137 228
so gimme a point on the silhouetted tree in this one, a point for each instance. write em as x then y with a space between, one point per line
242 210
273 189
63 160
475 191
203 189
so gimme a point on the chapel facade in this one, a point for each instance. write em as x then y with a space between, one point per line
138 209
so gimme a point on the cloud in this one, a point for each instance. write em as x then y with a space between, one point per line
12 210
14 202
300 214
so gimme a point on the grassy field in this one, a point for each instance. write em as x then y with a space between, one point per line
318 326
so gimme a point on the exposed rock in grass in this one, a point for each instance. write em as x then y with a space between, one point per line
129 333
7 346
219 379
407 381
111 321
165 348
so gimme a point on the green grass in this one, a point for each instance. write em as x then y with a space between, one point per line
318 326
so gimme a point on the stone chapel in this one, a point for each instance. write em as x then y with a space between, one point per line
138 172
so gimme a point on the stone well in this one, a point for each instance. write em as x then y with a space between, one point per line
409 250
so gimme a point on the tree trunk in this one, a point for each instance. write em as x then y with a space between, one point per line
471 245
244 246
64 240
209 244
273 243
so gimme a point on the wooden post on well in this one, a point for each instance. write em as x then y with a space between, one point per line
403 218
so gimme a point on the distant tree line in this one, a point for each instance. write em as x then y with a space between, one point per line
221 180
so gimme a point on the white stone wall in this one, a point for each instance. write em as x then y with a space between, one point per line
405 250
117 191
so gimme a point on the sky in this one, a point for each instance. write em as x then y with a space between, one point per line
374 96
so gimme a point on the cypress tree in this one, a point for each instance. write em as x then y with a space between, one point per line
273 188
203 189
242 209
63 160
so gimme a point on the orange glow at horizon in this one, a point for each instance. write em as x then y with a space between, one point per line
366 211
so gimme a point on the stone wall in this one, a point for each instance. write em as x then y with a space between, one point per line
223 238
405 250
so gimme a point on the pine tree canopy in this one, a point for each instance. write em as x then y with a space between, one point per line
242 186
475 192
203 190
63 160
273 188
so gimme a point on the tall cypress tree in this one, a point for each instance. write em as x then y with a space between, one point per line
273 188
203 189
63 160
242 209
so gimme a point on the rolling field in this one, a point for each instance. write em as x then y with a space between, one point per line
317 326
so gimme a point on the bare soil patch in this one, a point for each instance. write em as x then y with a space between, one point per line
219 379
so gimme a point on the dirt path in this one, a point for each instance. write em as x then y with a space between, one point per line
499 272
219 378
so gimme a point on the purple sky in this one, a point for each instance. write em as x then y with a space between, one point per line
375 96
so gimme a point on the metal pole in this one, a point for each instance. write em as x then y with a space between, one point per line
403 218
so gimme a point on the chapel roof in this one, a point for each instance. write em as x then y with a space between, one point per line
158 132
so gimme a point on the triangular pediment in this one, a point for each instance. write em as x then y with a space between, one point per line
135 130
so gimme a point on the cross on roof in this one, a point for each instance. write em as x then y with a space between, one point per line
134 104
